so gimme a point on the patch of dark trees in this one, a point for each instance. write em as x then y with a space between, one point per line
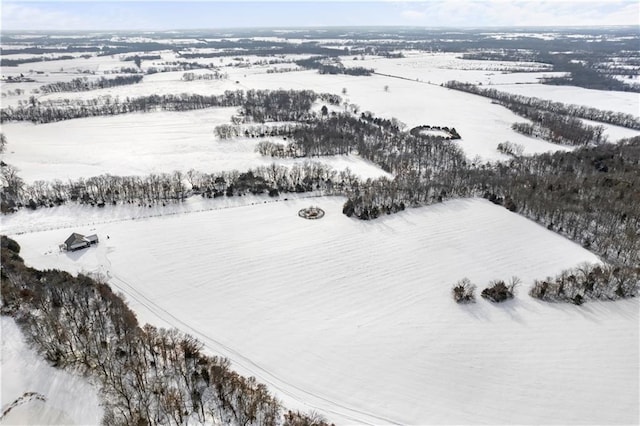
589 282
214 75
589 195
84 84
278 105
585 69
560 129
576 285
146 375
138 58
499 291
588 75
505 55
530 107
326 66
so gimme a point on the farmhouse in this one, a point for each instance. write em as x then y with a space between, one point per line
78 241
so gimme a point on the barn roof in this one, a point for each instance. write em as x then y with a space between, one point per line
74 238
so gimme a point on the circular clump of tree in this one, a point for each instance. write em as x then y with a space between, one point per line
463 291
311 212
499 291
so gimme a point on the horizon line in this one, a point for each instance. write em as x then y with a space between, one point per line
315 27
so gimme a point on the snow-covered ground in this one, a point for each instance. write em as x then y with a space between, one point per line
483 125
438 68
355 319
143 143
411 98
607 100
60 398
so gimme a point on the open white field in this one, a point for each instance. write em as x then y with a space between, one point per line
143 143
438 68
607 100
69 399
355 319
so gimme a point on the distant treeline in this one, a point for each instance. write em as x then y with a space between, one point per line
506 55
530 107
262 48
48 50
323 66
4 62
137 58
586 74
84 84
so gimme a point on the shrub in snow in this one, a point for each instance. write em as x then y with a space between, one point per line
463 291
499 291
510 148
301 419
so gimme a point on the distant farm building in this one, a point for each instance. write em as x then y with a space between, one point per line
78 241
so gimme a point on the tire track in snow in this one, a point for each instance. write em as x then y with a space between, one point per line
264 375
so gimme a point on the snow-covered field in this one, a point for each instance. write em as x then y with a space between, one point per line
68 399
438 68
607 100
483 125
355 319
352 319
143 143
411 99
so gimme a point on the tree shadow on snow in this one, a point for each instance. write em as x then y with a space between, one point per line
474 310
596 310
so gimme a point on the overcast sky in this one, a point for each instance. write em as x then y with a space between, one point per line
166 15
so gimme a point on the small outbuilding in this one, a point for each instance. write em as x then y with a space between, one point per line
78 241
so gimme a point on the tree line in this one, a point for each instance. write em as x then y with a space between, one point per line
589 195
146 375
560 129
589 282
257 106
588 75
326 66
522 104
84 84
163 188
4 62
